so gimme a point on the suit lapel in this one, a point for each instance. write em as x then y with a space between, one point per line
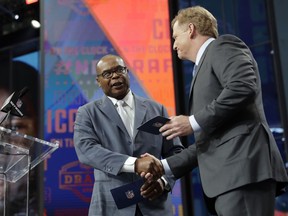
195 77
140 112
107 107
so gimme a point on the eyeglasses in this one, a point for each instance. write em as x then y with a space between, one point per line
109 73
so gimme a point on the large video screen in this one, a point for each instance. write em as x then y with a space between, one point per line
76 35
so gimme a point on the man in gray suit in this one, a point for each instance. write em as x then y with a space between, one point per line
102 141
240 165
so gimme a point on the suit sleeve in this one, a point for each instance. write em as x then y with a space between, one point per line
89 149
235 70
184 162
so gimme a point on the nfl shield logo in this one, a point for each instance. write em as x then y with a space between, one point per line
129 194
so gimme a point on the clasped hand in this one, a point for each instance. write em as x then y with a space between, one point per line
151 169
152 189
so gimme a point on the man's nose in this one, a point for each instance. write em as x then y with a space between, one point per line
174 46
114 74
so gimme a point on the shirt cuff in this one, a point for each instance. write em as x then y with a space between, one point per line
195 126
166 184
129 165
166 167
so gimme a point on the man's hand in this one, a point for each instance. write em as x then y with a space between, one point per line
152 189
149 166
177 126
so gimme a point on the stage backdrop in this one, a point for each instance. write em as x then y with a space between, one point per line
76 35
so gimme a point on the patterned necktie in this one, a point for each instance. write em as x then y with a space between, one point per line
124 116
194 70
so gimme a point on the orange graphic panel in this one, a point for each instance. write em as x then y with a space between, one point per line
140 32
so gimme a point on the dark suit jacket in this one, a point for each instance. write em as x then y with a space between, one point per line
235 146
101 141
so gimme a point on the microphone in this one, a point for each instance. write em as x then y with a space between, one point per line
13 103
22 92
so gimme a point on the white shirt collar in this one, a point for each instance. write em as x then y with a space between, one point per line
202 49
128 99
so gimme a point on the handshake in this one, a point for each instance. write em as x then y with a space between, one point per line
151 169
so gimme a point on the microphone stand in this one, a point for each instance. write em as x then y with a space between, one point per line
5 117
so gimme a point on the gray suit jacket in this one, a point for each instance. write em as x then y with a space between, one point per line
235 146
101 141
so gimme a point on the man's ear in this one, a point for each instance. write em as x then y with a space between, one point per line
192 30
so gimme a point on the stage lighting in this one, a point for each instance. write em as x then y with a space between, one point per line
35 23
31 1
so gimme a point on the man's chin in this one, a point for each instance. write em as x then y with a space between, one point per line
119 94
180 56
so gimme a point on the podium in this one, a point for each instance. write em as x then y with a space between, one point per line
20 153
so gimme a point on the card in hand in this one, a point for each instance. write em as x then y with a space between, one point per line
128 194
153 125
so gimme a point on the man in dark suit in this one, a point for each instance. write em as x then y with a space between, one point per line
102 141
240 165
